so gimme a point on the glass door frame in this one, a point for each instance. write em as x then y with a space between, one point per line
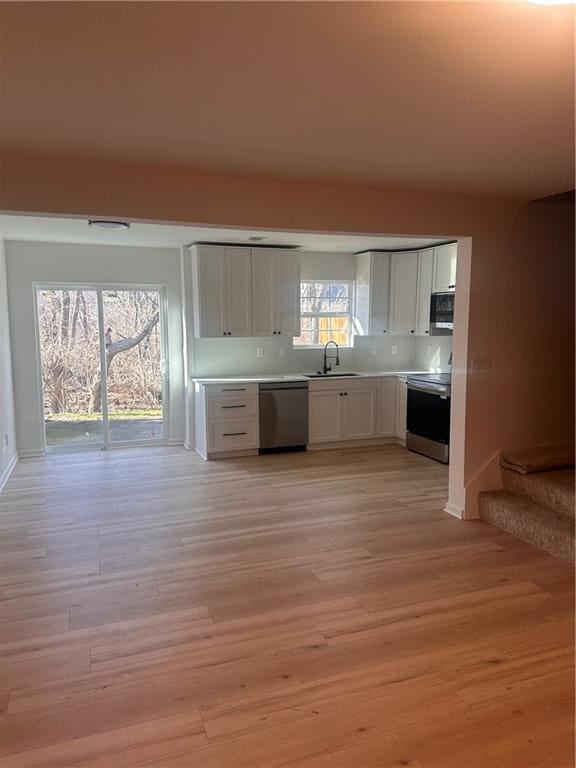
98 288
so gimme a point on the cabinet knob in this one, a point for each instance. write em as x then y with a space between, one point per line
411 331
384 331
341 393
451 286
426 331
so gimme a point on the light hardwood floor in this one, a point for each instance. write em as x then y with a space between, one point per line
311 610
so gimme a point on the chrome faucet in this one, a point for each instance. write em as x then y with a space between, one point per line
326 367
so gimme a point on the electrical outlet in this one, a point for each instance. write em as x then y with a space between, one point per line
373 351
259 352
394 349
281 351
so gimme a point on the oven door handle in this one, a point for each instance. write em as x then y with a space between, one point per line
440 391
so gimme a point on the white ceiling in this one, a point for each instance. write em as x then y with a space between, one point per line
56 230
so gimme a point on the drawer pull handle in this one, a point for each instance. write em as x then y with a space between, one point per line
237 389
227 407
233 434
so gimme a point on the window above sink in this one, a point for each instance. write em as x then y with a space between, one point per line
326 313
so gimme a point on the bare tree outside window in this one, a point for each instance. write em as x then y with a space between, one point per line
71 373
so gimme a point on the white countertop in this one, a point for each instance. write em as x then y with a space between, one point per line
295 377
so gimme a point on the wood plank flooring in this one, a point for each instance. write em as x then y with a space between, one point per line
313 610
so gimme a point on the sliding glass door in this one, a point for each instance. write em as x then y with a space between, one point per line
102 366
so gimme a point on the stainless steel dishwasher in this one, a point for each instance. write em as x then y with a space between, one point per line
283 415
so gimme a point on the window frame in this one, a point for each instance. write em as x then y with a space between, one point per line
350 314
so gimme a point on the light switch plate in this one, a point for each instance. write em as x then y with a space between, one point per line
260 352
373 351
281 351
394 349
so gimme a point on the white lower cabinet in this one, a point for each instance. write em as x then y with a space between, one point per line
226 419
359 407
342 410
325 417
401 401
387 398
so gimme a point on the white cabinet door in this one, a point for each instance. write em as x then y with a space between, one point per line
275 292
387 395
403 279
424 292
287 294
444 268
239 291
372 294
209 285
263 292
380 294
359 413
325 416
401 409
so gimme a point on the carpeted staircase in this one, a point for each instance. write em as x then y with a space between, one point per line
537 503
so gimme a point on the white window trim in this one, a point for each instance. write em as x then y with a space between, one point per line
351 287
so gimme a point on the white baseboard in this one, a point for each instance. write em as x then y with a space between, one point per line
8 471
34 453
455 511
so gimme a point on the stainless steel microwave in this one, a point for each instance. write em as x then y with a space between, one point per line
442 314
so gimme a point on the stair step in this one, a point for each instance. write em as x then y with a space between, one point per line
534 523
553 489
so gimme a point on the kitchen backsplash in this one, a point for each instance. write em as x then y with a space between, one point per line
432 354
221 357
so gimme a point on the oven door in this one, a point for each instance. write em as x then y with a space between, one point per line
428 414
441 314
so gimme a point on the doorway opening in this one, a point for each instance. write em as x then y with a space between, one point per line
102 366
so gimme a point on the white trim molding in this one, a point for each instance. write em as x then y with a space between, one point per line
8 471
455 511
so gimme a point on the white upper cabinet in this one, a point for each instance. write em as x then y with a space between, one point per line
222 291
410 291
275 292
372 294
238 291
209 285
403 280
444 278
245 292
424 292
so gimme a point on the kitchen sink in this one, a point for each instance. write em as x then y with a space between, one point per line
333 375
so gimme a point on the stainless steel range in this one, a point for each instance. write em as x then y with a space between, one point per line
428 415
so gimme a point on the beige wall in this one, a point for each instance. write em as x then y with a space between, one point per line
521 301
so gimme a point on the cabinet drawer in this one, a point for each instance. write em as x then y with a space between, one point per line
233 435
233 389
231 407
